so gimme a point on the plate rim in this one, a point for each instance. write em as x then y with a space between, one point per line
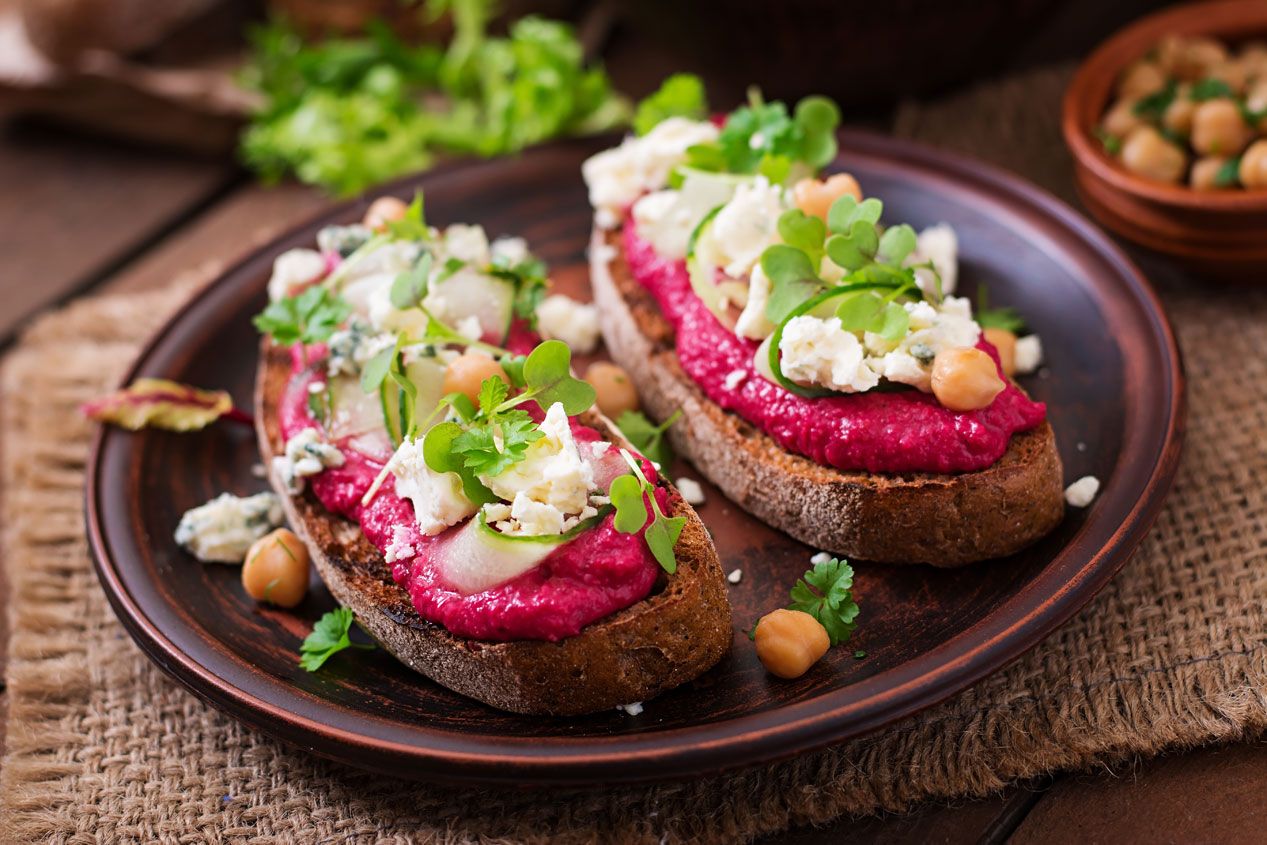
779 733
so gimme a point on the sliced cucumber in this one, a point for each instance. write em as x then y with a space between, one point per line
703 266
427 376
479 558
468 293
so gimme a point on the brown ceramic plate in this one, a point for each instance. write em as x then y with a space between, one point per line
1114 389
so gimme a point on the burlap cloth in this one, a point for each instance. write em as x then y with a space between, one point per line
102 747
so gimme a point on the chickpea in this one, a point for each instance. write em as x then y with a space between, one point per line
1189 58
1148 154
1204 173
1178 115
1253 170
1140 80
276 569
1219 129
789 642
1005 342
815 197
468 371
1256 100
1121 119
615 391
965 378
1231 72
383 211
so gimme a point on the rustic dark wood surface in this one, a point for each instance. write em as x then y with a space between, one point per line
1206 795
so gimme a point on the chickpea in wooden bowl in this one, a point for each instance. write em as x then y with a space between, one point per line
1167 123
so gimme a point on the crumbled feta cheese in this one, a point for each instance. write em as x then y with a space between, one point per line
294 270
306 454
496 512
343 240
634 709
1081 492
223 529
467 243
575 323
618 176
315 387
437 497
469 328
820 558
352 347
940 245
744 227
819 351
665 219
602 252
510 251
690 490
734 378
752 322
735 577
259 470
1082 447
552 473
400 547
1029 354
909 360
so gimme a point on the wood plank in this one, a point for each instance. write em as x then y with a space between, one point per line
1209 795
72 206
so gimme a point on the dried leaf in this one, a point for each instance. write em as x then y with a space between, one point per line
159 403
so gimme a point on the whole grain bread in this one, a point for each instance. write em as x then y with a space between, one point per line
942 520
674 635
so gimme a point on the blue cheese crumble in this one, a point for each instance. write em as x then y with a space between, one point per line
306 454
223 529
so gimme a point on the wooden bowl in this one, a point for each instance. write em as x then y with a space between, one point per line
1219 233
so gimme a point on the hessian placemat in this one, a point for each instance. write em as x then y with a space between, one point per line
103 748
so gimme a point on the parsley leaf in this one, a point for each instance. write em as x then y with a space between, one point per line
680 95
329 637
825 592
647 437
309 317
763 138
1153 106
493 392
410 287
529 278
440 455
1229 173
1210 89
413 226
1003 317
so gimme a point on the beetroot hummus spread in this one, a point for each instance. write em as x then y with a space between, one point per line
906 431
590 577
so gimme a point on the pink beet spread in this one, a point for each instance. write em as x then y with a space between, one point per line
596 574
906 431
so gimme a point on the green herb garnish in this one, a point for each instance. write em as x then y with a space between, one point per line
1229 173
410 287
1210 89
309 317
629 495
647 437
763 138
1111 143
825 592
1153 106
1003 317
681 95
347 113
329 637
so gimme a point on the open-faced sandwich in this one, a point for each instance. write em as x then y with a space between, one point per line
830 381
457 489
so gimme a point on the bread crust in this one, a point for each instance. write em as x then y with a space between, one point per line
674 635
942 520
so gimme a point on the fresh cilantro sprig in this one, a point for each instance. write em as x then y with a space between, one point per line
309 317
680 95
629 495
329 637
495 434
763 138
852 239
826 593
1002 317
647 437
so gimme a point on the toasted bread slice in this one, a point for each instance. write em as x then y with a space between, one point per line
678 632
943 520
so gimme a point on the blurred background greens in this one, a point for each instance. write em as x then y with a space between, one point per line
346 94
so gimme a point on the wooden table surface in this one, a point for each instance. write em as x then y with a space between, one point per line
79 215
